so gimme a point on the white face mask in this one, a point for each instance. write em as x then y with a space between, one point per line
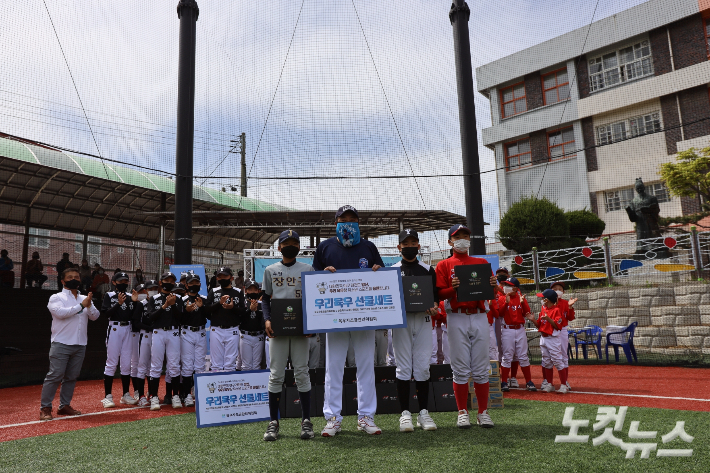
559 293
507 289
462 246
142 297
152 293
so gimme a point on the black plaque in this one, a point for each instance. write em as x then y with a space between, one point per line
418 293
474 282
286 317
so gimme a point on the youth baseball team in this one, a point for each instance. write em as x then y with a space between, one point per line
162 322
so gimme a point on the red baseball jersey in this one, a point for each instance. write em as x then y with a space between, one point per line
513 312
444 274
545 325
566 310
440 318
494 311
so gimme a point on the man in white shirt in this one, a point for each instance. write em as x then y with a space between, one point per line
70 314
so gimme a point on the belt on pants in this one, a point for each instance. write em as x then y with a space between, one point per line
468 311
122 324
254 334
194 329
513 327
167 328
226 327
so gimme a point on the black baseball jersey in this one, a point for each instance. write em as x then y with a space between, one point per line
141 319
117 312
164 318
419 268
218 315
196 318
252 321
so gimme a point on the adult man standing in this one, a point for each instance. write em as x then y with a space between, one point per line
70 314
7 275
347 251
63 264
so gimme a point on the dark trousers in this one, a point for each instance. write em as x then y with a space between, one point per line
38 278
64 367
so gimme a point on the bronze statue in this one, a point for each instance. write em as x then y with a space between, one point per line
643 211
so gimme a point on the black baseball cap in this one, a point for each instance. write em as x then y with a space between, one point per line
179 290
249 283
192 277
166 275
139 287
548 294
286 234
456 228
120 275
512 282
183 275
406 233
150 283
225 270
346 208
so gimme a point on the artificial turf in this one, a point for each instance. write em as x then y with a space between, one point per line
523 440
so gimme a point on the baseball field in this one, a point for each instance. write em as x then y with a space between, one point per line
524 438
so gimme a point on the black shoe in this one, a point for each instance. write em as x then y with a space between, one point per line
307 430
167 401
272 431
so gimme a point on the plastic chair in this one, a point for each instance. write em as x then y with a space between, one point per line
627 343
591 335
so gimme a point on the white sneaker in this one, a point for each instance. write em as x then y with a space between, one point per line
563 389
569 388
136 396
155 403
463 421
405 422
192 391
544 383
513 383
128 399
189 402
425 421
177 403
548 388
143 402
331 428
484 420
108 401
367 424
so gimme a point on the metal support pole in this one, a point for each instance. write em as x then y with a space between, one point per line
695 250
25 247
536 269
607 261
188 12
459 15
85 247
161 250
243 152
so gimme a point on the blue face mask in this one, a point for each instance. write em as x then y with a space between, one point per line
348 233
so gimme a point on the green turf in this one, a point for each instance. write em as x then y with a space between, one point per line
523 440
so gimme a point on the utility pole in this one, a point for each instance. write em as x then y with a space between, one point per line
459 15
188 12
242 143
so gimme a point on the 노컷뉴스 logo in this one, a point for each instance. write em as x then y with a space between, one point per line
289 309
415 285
211 387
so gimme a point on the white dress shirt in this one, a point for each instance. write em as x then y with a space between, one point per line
70 318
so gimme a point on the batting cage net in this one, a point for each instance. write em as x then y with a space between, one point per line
592 148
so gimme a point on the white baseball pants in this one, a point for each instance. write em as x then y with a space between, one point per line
224 348
165 346
552 351
564 342
280 348
391 361
118 346
336 344
313 351
412 347
193 348
135 353
515 346
440 344
493 342
144 341
251 349
381 340
469 337
350 358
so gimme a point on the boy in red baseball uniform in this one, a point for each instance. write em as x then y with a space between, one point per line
468 331
567 310
513 308
549 323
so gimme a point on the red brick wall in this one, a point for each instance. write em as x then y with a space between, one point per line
583 77
533 90
669 110
538 147
590 152
694 106
688 41
660 51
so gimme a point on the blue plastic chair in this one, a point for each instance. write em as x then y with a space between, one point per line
591 335
627 335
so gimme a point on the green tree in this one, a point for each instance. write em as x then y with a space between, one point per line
689 176
584 224
533 222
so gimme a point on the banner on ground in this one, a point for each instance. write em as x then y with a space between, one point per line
232 397
352 299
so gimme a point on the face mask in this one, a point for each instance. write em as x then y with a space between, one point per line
507 289
168 286
152 293
121 287
348 233
142 297
72 284
101 272
195 288
290 251
410 252
225 283
462 246
253 295
501 277
559 293
35 257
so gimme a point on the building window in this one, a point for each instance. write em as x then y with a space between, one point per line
513 100
39 242
517 154
635 126
555 86
619 199
119 250
620 66
611 133
560 144
645 124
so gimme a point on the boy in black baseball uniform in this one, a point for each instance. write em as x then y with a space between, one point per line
118 307
252 328
193 344
141 322
225 307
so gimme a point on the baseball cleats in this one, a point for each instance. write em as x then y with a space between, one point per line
167 400
331 428
68 411
569 388
128 399
45 413
425 421
143 402
563 389
136 396
548 388
307 430
463 422
189 401
484 420
177 403
367 425
513 383
155 403
531 386
108 401
504 387
405 422
272 431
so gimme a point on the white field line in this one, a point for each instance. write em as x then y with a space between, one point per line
648 396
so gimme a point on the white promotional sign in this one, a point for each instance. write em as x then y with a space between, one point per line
352 299
233 397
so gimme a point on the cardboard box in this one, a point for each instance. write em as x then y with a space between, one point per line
494 369
493 381
444 399
387 400
495 397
